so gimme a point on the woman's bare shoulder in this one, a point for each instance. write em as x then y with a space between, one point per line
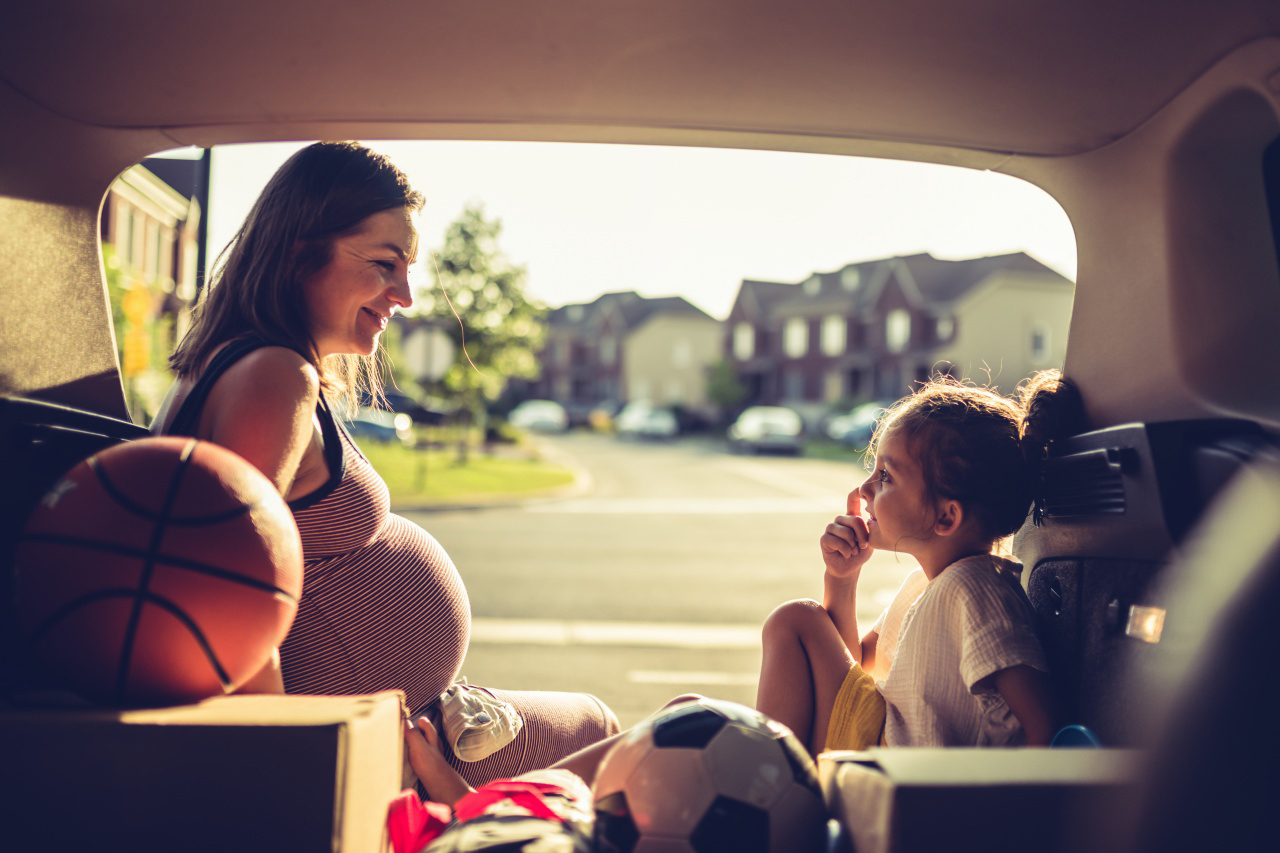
273 370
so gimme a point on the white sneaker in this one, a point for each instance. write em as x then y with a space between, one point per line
476 723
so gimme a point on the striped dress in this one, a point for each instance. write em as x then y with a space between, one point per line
383 607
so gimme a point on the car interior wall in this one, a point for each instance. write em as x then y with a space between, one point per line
1118 504
53 179
1171 233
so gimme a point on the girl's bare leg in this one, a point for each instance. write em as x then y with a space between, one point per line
442 782
805 663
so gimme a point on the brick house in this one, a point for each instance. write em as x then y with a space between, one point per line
870 330
152 220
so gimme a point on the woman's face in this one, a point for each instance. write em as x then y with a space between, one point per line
351 299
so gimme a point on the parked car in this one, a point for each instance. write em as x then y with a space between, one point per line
767 429
380 425
401 403
642 419
602 415
539 416
855 427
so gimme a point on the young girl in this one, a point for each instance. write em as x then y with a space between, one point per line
954 660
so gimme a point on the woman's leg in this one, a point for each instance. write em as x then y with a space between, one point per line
805 662
554 725
446 785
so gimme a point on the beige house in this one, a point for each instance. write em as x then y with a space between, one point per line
665 359
623 347
1007 327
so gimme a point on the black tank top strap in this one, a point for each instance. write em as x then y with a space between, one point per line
334 456
187 419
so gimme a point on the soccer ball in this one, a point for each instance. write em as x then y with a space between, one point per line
707 776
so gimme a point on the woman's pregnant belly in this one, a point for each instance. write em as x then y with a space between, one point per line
394 615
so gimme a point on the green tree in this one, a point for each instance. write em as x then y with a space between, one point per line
724 388
497 329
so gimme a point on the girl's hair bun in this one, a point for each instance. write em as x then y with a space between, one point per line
1052 410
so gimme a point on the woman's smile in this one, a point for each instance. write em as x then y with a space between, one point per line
366 281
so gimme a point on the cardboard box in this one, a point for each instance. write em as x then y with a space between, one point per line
902 800
242 773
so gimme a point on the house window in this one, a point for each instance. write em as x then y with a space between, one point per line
795 337
1039 343
945 328
813 286
681 354
897 330
608 350
850 278
833 334
575 313
744 341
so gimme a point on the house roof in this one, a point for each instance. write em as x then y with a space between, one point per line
186 177
947 281
931 280
632 308
758 298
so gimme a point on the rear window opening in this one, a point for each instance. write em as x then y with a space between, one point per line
712 228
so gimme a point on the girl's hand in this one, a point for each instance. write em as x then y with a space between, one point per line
846 542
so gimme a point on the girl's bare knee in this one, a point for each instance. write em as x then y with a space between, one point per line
790 618
682 698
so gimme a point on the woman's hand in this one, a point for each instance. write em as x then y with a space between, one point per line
846 542
269 679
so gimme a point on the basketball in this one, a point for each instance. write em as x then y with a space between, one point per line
161 571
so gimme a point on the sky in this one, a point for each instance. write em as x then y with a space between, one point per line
587 219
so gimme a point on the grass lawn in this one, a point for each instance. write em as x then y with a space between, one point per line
434 477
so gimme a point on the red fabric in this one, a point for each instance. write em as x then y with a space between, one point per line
527 795
411 823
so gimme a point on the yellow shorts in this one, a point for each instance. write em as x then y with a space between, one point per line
857 720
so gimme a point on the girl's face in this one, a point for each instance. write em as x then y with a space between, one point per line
895 499
351 299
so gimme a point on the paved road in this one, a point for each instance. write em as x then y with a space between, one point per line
655 578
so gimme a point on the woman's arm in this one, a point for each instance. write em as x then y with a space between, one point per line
1029 694
263 408
269 679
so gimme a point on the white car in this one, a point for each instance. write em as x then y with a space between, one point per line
642 419
539 416
767 429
